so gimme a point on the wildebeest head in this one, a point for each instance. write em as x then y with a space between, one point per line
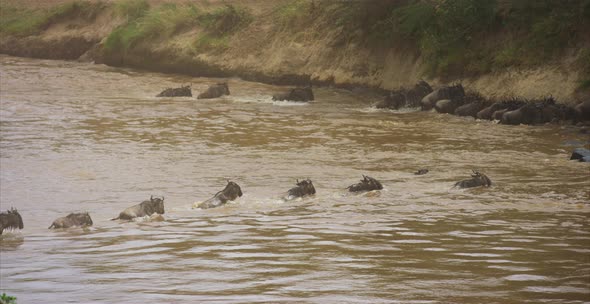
158 204
232 191
81 219
11 219
482 178
224 87
453 92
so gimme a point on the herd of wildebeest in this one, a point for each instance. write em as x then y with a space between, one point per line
450 99
11 219
447 99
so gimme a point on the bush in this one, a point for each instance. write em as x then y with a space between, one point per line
462 36
6 299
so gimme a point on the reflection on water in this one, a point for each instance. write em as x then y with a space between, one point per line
77 137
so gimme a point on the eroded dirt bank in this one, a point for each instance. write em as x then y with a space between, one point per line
280 42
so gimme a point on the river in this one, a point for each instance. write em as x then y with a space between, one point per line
80 137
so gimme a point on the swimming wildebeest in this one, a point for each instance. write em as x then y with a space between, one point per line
473 103
581 154
303 188
296 94
583 110
11 220
448 92
415 94
231 192
72 220
405 98
366 184
154 205
184 91
532 113
497 109
477 179
215 91
394 101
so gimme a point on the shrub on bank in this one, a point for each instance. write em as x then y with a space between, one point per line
468 37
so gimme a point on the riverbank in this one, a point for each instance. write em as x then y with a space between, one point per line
371 44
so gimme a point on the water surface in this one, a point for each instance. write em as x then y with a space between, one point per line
78 137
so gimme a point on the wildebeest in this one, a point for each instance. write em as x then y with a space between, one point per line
296 94
11 220
405 98
231 192
154 205
72 220
415 94
447 105
303 188
582 111
394 101
532 113
215 91
448 92
421 172
366 184
470 109
581 154
497 109
473 103
477 179
183 91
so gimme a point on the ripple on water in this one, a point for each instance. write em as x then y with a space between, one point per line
526 277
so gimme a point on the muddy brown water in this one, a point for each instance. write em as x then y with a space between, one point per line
80 137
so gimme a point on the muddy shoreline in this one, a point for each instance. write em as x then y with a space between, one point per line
275 45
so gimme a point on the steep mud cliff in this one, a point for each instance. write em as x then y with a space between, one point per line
283 42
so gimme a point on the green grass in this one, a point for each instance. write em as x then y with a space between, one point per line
165 20
6 299
131 9
208 42
453 36
148 24
584 84
293 14
22 22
